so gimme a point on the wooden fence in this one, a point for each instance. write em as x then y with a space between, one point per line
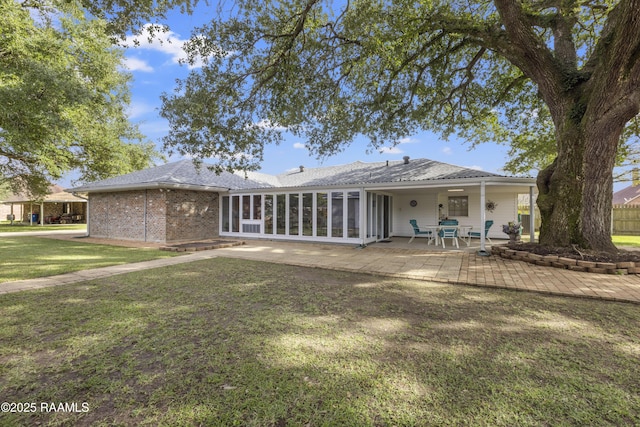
626 219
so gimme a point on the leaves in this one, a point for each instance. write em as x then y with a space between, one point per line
63 98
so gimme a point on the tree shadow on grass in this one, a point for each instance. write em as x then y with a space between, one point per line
232 342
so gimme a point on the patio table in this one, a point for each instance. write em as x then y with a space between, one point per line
434 232
463 230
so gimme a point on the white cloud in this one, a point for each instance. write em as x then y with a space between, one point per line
139 109
268 125
299 145
447 150
154 38
407 140
135 64
390 150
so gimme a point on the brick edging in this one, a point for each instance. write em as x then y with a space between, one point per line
200 247
627 267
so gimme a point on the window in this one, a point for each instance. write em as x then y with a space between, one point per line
337 216
353 214
307 214
225 213
235 214
458 206
281 214
257 206
293 214
268 214
321 214
246 207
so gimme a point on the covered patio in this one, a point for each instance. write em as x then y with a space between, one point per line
58 207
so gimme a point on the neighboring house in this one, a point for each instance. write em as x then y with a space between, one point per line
353 203
627 196
56 207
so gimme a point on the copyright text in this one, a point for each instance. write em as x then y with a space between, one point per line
44 407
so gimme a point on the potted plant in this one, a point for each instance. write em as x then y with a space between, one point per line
512 229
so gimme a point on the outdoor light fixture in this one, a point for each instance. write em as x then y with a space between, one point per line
455 190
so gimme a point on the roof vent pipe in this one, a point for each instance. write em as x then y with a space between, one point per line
406 160
301 168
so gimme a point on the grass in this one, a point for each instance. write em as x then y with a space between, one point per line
618 240
32 257
228 342
7 227
633 241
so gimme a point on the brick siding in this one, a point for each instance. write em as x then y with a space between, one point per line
158 215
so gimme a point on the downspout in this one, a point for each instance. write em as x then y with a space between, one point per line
482 251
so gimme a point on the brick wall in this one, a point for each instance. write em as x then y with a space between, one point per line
117 215
157 215
170 215
192 215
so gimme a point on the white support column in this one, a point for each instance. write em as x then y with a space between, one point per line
482 217
363 217
532 215
42 214
30 213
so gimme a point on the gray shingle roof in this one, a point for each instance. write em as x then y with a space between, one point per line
627 196
184 174
178 174
379 172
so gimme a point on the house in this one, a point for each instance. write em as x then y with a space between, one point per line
56 207
627 196
355 203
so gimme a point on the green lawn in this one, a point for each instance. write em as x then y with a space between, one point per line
633 241
7 227
618 240
31 257
227 342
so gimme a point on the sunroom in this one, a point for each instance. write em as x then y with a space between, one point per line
373 211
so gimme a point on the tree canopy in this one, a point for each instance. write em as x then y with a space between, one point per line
557 79
63 98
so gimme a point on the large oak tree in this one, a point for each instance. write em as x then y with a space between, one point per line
486 70
63 98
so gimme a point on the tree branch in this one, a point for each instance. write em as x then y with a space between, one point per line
532 56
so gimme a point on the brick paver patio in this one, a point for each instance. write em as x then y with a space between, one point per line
462 267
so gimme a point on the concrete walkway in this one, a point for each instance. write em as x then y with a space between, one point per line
454 267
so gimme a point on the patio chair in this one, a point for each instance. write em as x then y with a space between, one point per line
487 226
449 233
417 232
449 222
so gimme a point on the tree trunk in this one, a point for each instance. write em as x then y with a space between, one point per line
560 189
601 146
575 192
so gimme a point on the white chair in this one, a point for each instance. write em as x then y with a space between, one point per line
449 233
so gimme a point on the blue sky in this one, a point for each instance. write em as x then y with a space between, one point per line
155 68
